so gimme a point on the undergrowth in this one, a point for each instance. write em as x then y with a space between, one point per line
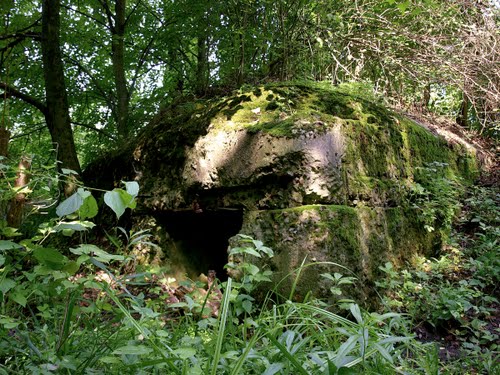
71 309
452 299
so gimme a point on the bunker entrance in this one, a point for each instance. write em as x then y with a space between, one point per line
199 240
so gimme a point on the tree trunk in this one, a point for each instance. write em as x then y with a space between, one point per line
201 84
463 113
426 99
4 141
118 60
57 115
15 213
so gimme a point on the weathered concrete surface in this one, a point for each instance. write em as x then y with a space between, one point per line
318 172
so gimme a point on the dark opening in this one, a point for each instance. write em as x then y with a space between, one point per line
200 240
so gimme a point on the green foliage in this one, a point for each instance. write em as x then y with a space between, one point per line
436 196
69 310
459 285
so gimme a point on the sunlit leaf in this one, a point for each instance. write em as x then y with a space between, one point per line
9 245
356 312
133 349
119 200
75 225
185 352
95 252
132 188
69 205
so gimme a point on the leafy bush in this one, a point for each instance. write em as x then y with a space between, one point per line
455 293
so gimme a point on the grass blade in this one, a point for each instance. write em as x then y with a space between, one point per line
287 354
222 326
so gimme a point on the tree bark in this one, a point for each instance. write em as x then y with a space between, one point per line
118 61
4 141
463 113
57 109
15 213
202 65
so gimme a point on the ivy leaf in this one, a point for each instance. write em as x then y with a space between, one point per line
119 200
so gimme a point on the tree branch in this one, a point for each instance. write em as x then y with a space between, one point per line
10 91
21 35
140 64
103 132
132 12
96 20
109 14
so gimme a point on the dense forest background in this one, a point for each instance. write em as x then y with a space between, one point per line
97 70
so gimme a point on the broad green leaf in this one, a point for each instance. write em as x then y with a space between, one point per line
74 225
247 306
6 285
185 352
89 208
345 349
10 232
133 349
132 188
327 276
19 298
49 257
69 205
9 245
95 252
68 171
250 268
119 200
9 323
71 267
383 351
2 260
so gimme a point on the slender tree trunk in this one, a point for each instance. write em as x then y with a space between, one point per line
118 60
427 97
202 65
463 113
15 213
4 141
241 62
57 115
